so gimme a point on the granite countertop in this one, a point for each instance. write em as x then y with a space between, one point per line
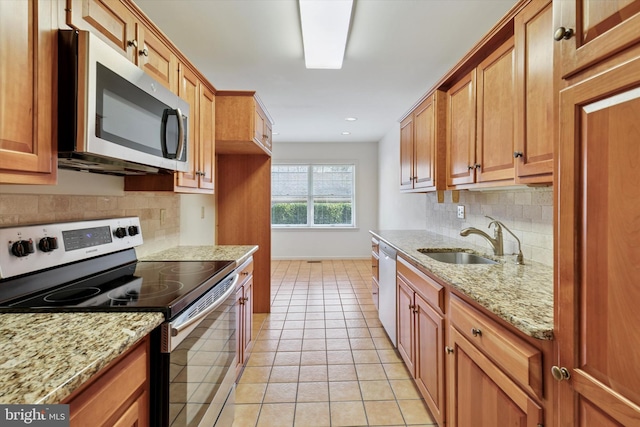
520 294
238 253
46 356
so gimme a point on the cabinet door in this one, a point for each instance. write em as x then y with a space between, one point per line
425 144
239 329
207 139
406 153
405 323
601 27
429 363
109 19
188 90
496 115
27 60
248 316
461 131
597 294
481 395
536 97
155 58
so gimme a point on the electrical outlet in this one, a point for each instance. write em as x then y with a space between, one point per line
163 216
461 211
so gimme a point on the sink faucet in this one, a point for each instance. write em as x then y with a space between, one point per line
496 240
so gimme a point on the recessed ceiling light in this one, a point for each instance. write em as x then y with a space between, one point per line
325 26
351 119
275 133
346 133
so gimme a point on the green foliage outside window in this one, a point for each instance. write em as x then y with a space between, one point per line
323 213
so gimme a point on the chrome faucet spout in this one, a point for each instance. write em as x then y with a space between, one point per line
495 242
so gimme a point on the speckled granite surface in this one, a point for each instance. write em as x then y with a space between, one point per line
204 253
520 294
46 356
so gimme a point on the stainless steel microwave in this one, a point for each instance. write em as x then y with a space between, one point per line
112 116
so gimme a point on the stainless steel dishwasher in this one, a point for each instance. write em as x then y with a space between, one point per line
387 291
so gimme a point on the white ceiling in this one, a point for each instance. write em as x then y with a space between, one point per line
397 50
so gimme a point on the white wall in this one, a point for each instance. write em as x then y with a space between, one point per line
396 210
197 219
339 243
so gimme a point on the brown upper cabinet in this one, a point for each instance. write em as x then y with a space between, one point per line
591 30
480 122
537 100
243 125
422 141
28 42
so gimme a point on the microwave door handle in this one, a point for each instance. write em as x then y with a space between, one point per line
163 137
180 149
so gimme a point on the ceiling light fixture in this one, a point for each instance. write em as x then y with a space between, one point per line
325 26
346 133
351 119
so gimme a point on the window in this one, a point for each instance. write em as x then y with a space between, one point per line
308 195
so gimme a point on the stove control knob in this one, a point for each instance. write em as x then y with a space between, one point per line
22 248
133 230
120 232
48 244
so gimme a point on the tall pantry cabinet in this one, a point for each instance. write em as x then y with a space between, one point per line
598 214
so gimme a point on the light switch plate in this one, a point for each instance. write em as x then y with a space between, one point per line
461 211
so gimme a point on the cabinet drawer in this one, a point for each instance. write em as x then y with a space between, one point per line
428 288
514 356
375 245
245 272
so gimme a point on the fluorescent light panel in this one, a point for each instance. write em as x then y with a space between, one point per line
325 26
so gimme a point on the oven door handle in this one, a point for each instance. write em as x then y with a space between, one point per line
176 330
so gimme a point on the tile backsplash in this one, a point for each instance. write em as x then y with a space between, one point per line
158 234
527 212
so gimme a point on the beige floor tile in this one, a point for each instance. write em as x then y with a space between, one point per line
342 373
370 371
377 332
337 333
280 392
314 324
382 343
348 414
269 334
265 345
338 344
273 324
365 356
415 412
290 345
246 415
314 333
293 324
334 315
404 389
284 374
286 358
295 316
314 344
396 371
291 334
314 316
389 356
383 412
335 323
353 315
313 392
313 373
276 414
312 414
356 332
313 358
255 374
357 323
344 391
362 344
376 390
250 393
261 358
339 357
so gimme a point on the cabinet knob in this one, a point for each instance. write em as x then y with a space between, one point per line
562 33
448 349
517 154
560 374
470 167
144 52
133 43
245 273
477 165
476 332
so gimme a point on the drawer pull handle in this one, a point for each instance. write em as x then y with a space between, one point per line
476 332
560 374
449 350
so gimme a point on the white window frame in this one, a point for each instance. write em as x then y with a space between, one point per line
310 212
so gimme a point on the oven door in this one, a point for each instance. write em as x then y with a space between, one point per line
197 361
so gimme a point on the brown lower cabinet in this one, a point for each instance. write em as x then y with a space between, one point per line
119 396
244 316
471 369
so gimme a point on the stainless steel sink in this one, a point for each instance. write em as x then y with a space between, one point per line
457 257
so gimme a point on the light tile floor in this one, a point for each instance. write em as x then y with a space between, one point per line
321 358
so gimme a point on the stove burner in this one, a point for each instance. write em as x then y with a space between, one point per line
148 291
149 265
188 268
69 295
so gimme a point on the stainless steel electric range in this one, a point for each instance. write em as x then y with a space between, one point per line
92 266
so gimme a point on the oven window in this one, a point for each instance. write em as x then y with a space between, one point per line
199 365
